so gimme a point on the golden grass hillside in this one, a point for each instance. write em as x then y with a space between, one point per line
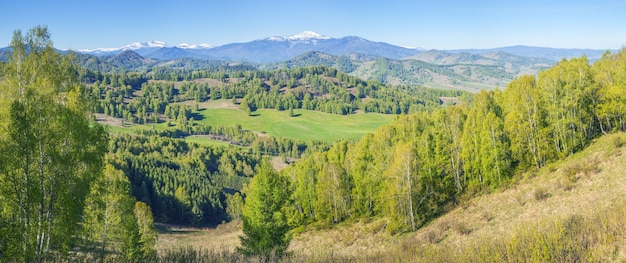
571 210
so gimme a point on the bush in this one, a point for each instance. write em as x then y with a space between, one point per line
572 170
618 142
591 167
541 194
462 229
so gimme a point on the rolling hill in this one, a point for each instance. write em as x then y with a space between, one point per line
467 69
435 69
541 52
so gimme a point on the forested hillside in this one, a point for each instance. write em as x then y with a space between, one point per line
156 160
154 98
419 166
497 163
435 69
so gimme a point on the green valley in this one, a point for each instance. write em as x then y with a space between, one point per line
305 125
318 158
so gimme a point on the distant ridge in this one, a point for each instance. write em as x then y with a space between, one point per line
465 69
280 48
270 49
555 54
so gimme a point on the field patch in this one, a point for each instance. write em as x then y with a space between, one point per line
307 125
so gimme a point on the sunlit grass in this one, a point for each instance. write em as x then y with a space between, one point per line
306 125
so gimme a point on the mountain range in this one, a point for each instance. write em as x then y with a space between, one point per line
467 69
270 49
279 48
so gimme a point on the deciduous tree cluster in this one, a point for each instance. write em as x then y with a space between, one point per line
411 169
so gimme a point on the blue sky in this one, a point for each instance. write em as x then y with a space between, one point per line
435 24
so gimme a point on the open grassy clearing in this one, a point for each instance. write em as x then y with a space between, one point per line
205 140
587 184
306 125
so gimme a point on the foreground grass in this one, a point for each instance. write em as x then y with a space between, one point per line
570 211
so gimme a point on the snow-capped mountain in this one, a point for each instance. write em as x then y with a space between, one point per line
193 46
154 44
304 36
142 48
278 48
270 49
150 44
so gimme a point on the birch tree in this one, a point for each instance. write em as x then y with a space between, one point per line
524 122
51 151
566 91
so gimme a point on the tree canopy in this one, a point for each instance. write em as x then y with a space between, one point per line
265 226
50 150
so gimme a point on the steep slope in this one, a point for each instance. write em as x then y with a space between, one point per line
587 185
590 185
170 53
283 48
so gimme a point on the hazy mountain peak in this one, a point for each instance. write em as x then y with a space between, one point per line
307 35
193 46
149 44
303 36
131 46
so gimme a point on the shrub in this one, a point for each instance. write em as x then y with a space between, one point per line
462 229
572 170
618 142
433 237
541 194
591 167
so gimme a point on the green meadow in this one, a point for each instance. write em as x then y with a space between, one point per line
304 125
